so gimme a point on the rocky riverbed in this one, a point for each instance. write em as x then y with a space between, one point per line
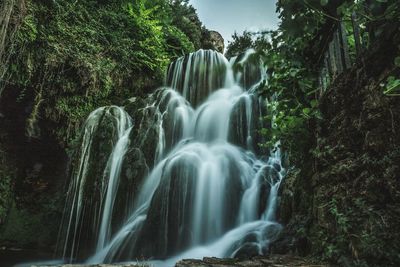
271 261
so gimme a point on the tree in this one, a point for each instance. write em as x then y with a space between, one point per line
239 44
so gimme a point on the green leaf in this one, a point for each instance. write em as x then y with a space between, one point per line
293 72
306 111
314 103
392 85
324 2
397 61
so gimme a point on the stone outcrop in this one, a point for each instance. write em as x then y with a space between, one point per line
217 41
213 40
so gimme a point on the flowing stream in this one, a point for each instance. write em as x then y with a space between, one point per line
210 190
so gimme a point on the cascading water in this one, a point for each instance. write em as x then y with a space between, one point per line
88 210
197 75
208 194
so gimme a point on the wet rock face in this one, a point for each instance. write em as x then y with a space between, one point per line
134 169
248 250
90 173
92 167
145 133
173 197
246 123
270 176
250 247
248 69
169 220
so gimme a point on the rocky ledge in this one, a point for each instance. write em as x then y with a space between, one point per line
271 261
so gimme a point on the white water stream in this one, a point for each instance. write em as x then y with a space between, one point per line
208 194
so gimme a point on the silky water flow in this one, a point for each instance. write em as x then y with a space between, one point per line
209 192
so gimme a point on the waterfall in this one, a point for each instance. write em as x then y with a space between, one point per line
89 204
197 75
211 191
111 189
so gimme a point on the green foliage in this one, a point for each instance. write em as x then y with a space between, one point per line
348 226
184 17
290 87
239 44
291 55
392 86
85 54
178 43
29 28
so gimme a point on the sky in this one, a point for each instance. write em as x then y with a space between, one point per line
228 16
